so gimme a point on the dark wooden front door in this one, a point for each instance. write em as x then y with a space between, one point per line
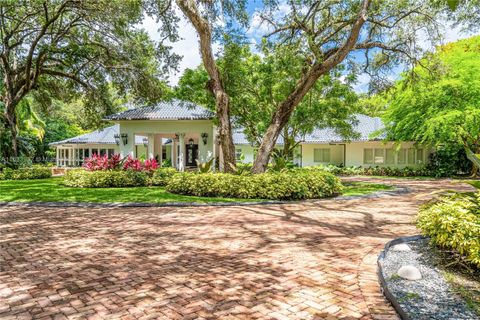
192 154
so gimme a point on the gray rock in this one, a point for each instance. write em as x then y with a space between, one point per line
409 273
401 247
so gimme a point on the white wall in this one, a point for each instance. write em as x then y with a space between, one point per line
336 154
355 152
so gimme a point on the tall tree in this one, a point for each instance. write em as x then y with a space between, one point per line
74 47
204 15
251 81
439 105
328 32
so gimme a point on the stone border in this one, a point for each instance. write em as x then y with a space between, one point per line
395 192
383 283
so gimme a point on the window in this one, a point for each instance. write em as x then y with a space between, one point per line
103 152
379 156
402 156
238 154
321 155
94 151
389 156
111 152
420 156
164 152
86 153
411 156
368 156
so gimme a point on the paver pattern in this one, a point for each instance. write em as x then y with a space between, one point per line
308 260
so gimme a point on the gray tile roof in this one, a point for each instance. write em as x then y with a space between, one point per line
101 136
365 126
166 110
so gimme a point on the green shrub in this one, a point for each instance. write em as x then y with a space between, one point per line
376 171
104 179
454 223
161 176
287 185
34 172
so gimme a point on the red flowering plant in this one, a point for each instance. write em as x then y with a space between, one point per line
96 162
131 163
115 161
150 165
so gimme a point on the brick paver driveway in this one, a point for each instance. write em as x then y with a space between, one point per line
311 260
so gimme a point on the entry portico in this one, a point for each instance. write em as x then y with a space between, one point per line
186 127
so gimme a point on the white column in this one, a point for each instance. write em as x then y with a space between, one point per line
173 159
58 156
127 149
214 147
181 156
151 146
160 151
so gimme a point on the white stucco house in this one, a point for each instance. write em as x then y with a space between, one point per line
182 132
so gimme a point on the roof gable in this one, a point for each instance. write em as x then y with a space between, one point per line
165 110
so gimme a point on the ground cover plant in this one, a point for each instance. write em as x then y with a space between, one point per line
377 171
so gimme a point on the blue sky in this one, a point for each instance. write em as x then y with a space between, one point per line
187 47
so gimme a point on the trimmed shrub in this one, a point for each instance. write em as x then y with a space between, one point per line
161 176
376 171
454 223
286 185
104 178
35 172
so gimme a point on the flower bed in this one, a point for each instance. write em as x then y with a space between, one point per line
287 185
35 172
454 223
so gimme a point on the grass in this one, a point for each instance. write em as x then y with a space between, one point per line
52 190
474 183
363 188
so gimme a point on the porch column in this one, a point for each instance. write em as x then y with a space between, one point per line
160 151
58 156
214 147
151 146
181 155
174 159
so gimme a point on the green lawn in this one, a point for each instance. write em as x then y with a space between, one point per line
362 188
475 183
52 190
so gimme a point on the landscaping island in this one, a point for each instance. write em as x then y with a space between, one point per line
53 190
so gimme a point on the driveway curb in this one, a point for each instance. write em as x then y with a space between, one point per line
383 283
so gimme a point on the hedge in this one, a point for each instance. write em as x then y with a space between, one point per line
376 171
454 223
105 178
287 185
160 177
30 173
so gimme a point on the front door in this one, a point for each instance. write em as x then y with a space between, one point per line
192 154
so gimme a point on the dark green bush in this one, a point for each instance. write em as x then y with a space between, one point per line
105 179
161 176
449 161
34 172
454 223
286 185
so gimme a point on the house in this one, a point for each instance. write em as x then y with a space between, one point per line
182 132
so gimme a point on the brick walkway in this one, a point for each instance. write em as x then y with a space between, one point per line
314 260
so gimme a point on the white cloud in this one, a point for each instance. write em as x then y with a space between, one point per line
187 46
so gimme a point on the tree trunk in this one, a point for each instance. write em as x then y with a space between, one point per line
11 125
306 82
222 101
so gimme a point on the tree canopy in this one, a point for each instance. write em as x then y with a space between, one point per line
252 83
69 49
439 103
